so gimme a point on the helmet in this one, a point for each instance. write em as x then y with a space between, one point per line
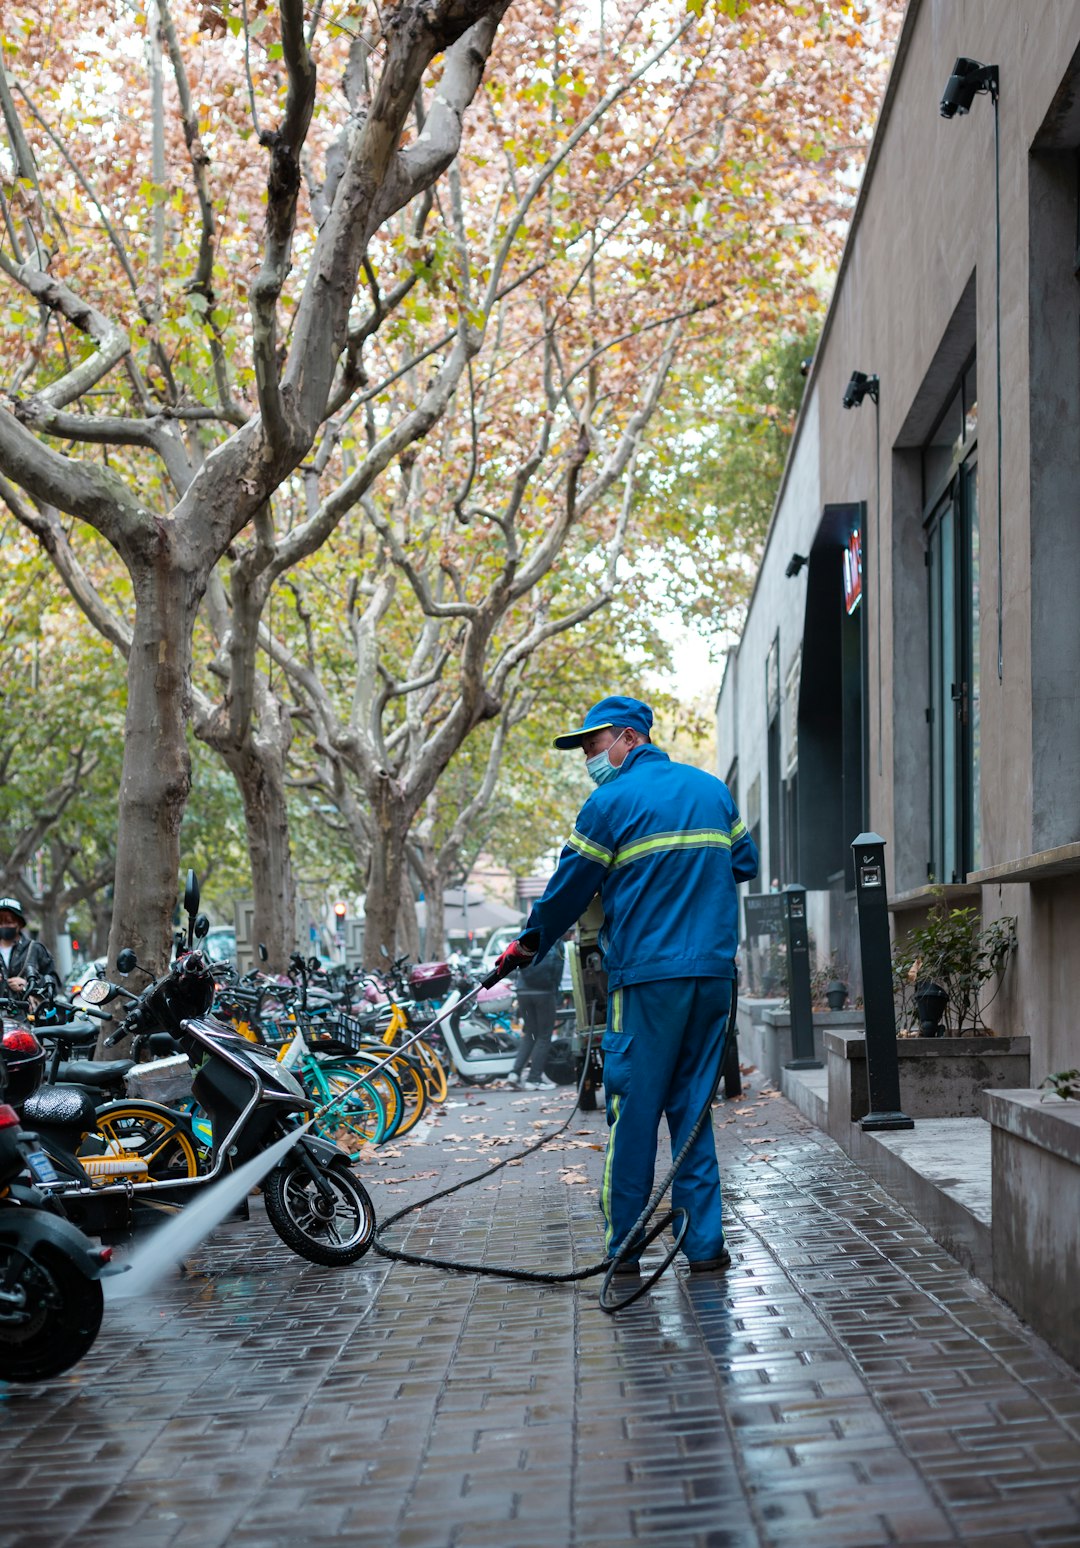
24 1059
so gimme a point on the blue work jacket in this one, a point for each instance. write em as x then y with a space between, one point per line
664 845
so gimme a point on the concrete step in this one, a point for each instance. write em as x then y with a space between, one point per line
939 1170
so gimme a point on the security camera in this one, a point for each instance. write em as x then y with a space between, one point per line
859 387
795 564
967 79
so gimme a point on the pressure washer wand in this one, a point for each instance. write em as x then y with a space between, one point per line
529 942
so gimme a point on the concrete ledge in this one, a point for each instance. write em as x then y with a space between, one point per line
1036 1211
808 1090
940 1077
1064 860
1038 1117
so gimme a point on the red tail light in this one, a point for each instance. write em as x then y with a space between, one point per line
9 1118
18 1041
104 1254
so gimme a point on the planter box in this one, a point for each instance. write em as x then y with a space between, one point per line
940 1077
1035 1228
774 1037
749 1020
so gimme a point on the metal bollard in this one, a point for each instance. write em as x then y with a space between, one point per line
882 1065
798 949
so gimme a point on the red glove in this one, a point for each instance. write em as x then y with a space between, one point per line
519 953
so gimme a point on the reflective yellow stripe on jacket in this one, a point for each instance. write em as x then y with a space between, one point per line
589 848
657 843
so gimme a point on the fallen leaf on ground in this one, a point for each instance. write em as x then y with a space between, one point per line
760 1139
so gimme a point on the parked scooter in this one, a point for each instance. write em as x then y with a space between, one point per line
313 1200
50 1293
478 1051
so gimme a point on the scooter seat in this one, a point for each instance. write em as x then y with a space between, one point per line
87 1072
59 1105
80 1031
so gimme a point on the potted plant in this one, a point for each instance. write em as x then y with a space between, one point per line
941 971
931 1003
827 986
836 994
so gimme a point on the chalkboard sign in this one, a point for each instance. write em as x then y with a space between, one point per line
764 914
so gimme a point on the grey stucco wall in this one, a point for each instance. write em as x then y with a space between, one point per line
915 294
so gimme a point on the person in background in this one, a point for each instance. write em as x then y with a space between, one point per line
21 957
537 992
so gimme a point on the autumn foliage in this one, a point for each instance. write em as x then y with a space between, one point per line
285 306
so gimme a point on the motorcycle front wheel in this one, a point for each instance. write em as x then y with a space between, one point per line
332 1231
59 1320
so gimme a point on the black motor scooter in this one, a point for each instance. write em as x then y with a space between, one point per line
313 1200
50 1293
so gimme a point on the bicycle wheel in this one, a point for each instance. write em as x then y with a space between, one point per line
410 1078
434 1072
386 1087
151 1142
362 1113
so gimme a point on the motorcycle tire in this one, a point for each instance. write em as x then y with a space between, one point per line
63 1323
308 1224
562 1066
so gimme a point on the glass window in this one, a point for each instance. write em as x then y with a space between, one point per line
970 476
954 711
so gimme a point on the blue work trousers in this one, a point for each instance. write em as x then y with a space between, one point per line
663 1050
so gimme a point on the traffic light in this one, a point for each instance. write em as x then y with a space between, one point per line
339 913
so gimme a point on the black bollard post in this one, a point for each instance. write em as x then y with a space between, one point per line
882 1065
798 956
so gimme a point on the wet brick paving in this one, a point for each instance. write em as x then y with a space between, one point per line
847 1383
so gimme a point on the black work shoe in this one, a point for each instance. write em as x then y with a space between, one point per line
712 1265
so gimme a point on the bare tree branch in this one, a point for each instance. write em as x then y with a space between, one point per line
283 187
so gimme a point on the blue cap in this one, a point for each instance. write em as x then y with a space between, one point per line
611 714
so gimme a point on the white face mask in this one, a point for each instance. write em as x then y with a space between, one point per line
600 767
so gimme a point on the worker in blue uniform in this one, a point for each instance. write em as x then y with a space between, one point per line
664 845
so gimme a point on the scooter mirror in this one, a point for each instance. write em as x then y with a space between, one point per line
264 955
126 962
314 965
202 926
385 953
98 991
191 894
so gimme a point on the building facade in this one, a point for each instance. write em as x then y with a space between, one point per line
911 657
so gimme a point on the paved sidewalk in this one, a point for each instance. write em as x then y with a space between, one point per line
847 1383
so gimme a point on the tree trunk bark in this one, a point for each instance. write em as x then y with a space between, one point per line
408 930
434 915
156 776
50 922
258 766
101 910
382 906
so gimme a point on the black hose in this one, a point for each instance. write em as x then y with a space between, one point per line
607 1266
